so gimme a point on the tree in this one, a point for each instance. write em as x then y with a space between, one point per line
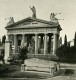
3 39
75 40
23 53
62 52
60 41
65 40
2 56
66 53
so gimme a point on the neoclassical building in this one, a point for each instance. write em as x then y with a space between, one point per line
40 36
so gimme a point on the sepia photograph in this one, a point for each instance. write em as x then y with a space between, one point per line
37 39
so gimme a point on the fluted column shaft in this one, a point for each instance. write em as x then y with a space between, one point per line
45 44
15 44
54 43
23 40
36 43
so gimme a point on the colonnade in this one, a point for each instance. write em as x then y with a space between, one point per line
55 42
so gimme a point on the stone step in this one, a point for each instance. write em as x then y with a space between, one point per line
36 62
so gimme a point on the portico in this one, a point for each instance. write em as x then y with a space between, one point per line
42 37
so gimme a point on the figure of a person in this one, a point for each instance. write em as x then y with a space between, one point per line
33 11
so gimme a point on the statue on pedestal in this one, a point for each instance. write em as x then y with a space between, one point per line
53 18
11 21
33 11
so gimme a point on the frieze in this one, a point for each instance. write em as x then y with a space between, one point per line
32 30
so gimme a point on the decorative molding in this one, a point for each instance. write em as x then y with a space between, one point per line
31 30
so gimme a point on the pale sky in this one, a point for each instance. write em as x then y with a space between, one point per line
19 9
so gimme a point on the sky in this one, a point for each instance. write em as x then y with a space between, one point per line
19 9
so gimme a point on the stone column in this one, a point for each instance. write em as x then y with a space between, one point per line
54 43
45 44
7 49
49 44
36 43
23 40
15 44
41 42
7 38
23 37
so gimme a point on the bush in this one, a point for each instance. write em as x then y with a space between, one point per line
14 59
3 68
62 52
67 54
23 54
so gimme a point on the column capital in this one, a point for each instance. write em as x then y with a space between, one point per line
54 33
45 33
36 33
14 34
23 34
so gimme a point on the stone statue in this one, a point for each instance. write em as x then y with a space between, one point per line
33 11
11 21
53 18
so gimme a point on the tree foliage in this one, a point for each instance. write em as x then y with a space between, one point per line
75 40
66 53
3 39
23 53
62 52
65 40
60 40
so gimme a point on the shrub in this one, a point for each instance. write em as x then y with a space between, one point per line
14 59
23 53
3 68
67 54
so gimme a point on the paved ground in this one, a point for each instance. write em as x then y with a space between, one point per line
70 73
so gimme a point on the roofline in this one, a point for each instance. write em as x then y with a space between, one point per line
35 27
40 20
32 27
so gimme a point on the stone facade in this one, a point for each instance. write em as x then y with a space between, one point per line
41 37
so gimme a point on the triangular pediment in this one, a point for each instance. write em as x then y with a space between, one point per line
31 23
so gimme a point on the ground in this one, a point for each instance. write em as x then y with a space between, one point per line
14 73
70 72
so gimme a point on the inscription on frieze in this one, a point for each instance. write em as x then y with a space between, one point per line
31 30
25 23
34 23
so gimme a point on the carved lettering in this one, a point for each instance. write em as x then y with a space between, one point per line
34 23
31 30
26 23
